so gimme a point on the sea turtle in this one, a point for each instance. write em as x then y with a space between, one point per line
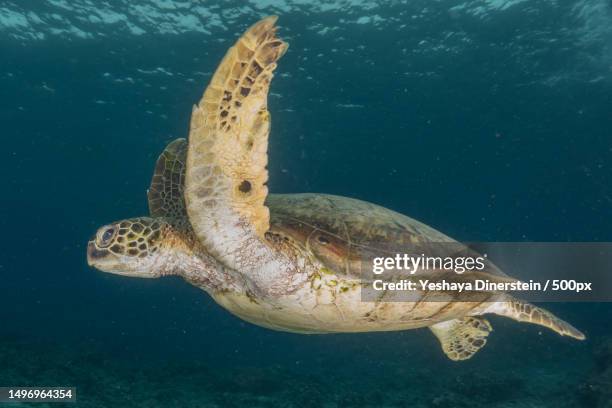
286 262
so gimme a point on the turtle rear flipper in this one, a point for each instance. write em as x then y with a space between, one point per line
522 311
462 338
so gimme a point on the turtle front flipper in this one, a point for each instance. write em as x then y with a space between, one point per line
166 192
462 338
226 173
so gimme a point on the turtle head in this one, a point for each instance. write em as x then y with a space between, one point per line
130 247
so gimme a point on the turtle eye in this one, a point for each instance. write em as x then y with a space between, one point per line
106 236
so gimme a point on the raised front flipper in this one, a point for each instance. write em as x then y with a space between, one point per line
462 338
226 173
166 192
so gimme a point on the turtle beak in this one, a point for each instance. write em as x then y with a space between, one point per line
94 255
106 261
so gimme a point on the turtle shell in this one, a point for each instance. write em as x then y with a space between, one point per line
346 234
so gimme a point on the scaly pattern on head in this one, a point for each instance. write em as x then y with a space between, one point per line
129 247
138 237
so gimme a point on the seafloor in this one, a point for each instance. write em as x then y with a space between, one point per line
515 374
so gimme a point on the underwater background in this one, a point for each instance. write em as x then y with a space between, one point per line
489 120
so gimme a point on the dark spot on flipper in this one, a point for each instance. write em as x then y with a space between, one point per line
478 343
256 69
245 186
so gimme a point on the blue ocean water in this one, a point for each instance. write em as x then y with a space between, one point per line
488 119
